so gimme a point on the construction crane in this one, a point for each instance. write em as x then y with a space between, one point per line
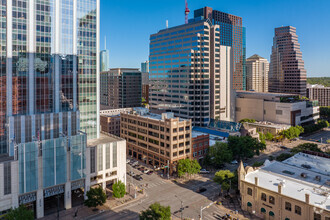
186 12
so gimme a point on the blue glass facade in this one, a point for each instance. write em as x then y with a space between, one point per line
28 167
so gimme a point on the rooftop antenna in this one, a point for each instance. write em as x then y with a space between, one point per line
186 12
105 42
166 24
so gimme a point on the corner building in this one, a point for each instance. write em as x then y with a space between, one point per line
48 80
156 140
189 71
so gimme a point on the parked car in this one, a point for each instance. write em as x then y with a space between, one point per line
131 173
150 172
283 147
145 171
135 163
128 161
234 162
138 177
141 169
201 190
204 171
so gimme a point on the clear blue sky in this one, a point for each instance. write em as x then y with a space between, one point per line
129 23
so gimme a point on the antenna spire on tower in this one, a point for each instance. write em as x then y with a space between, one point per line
186 12
105 42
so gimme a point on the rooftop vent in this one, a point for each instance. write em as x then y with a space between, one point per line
318 178
288 172
304 175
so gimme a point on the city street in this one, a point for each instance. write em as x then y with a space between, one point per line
320 137
167 192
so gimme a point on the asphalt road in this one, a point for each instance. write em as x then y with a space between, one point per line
323 136
169 193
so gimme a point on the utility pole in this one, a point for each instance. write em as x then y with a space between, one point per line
205 207
168 169
181 209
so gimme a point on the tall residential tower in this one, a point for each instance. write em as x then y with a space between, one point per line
286 72
257 69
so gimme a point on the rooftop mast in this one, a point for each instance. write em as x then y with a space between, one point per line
186 12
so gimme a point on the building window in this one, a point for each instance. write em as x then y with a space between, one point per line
195 154
271 200
317 216
279 112
288 206
107 156
114 154
7 178
297 210
263 197
92 159
249 191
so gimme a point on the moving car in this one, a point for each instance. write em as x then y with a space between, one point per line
234 162
138 177
150 172
145 171
201 190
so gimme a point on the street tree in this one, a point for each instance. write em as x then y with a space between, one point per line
245 147
156 212
20 213
188 166
224 178
119 189
269 136
306 147
292 132
219 154
95 197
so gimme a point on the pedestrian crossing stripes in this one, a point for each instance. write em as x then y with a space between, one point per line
151 185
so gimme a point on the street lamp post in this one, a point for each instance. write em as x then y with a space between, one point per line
181 209
205 207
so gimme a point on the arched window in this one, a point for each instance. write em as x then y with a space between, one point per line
271 213
288 206
249 191
263 210
249 204
263 197
286 219
271 200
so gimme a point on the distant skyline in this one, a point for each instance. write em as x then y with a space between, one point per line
127 24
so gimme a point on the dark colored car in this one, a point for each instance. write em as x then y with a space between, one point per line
138 177
283 147
150 172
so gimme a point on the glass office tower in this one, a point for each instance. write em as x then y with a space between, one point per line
232 33
48 85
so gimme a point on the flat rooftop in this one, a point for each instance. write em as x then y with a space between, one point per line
269 94
301 174
269 124
144 112
104 138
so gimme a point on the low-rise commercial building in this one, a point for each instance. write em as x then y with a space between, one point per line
297 188
200 145
157 140
110 120
275 107
266 127
319 93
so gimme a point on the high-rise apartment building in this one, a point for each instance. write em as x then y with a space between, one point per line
145 67
104 58
320 93
157 140
232 33
121 88
187 63
286 72
257 69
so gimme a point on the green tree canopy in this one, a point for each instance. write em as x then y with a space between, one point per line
222 176
119 189
247 120
292 132
20 213
188 166
269 136
156 212
283 156
95 197
244 147
319 80
307 147
220 154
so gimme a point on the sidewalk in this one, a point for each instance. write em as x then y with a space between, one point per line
85 212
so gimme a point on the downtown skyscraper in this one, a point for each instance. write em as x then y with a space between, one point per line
286 71
48 76
232 33
191 73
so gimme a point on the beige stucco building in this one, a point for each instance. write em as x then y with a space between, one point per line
275 107
266 127
297 188
157 140
257 69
